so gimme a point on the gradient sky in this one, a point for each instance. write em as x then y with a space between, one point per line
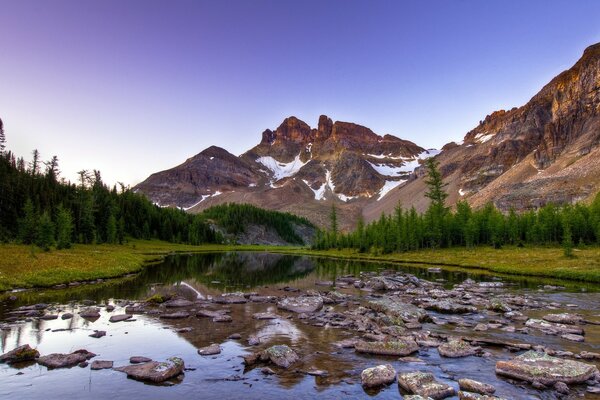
133 87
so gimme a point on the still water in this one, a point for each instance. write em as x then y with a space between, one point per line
203 277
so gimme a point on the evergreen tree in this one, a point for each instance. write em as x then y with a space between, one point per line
111 230
34 166
2 138
567 240
64 228
334 225
45 238
28 225
436 213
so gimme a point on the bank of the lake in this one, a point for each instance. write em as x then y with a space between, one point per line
26 267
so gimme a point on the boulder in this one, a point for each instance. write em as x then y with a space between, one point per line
58 360
471 385
90 313
120 317
154 371
175 315
534 366
463 395
280 355
424 384
455 348
378 376
449 307
301 304
564 318
400 347
139 359
175 303
210 350
396 308
553 328
20 354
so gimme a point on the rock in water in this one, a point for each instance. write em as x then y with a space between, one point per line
154 371
539 367
395 308
176 315
457 348
120 317
20 354
58 360
424 384
378 376
471 385
96 365
210 350
90 313
398 347
462 395
280 355
564 318
301 304
178 303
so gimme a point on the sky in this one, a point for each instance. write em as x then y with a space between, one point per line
134 87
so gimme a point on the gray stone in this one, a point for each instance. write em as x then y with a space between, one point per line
280 355
457 348
471 385
400 347
139 359
378 376
301 304
58 360
97 364
154 371
539 367
210 350
120 317
20 354
424 384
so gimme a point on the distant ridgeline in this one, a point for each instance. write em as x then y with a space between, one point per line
36 207
407 230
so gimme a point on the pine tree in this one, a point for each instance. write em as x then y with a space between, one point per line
334 225
121 230
34 166
2 138
567 240
28 225
45 238
436 213
111 229
64 228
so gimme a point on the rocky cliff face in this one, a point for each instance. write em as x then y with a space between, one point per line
545 151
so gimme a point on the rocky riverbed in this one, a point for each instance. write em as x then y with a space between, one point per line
376 332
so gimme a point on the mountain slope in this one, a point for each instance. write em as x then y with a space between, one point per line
294 168
545 151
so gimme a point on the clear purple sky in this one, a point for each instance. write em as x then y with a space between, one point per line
133 87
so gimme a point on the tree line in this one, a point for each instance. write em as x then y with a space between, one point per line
441 227
235 218
38 207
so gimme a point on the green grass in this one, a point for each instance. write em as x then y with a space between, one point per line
20 269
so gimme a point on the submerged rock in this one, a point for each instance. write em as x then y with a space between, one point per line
20 354
154 371
463 395
280 355
553 328
301 304
175 303
424 384
97 365
398 347
455 348
58 360
539 367
378 376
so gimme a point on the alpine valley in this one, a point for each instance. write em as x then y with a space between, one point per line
547 151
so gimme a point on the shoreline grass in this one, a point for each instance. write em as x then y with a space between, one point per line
20 269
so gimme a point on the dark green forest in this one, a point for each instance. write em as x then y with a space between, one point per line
236 217
38 207
441 227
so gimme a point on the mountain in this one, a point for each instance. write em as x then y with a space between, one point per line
545 151
294 168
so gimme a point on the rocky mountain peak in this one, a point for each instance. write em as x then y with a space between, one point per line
324 128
